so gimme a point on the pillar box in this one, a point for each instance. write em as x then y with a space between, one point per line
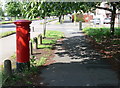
22 44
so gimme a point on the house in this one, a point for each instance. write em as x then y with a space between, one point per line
102 14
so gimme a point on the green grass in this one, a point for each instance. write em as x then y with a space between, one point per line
54 34
41 61
6 22
57 23
6 33
45 46
52 20
13 56
37 62
48 41
51 38
99 33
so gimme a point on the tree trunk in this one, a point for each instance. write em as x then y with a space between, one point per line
63 17
44 27
113 14
75 17
60 18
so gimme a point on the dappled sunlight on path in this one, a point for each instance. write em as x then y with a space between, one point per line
78 64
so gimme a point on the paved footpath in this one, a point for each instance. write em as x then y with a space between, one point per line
77 64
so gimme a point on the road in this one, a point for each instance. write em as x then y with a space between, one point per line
7 27
12 26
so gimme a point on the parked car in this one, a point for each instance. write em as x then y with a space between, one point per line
7 18
96 21
107 21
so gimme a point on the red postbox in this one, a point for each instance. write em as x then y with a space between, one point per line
22 43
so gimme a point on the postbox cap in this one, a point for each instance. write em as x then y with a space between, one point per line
22 22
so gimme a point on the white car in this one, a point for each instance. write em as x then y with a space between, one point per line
96 21
7 18
107 21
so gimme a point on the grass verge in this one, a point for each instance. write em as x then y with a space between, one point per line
54 34
48 41
6 34
51 39
45 46
98 34
6 22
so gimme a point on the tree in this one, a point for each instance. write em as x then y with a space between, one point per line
1 12
13 9
35 9
30 9
114 6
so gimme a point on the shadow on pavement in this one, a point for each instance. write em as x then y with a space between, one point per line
78 47
67 22
77 32
89 69
78 74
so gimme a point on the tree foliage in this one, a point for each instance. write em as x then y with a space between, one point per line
1 12
34 9
13 9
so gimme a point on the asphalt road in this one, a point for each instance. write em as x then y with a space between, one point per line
12 26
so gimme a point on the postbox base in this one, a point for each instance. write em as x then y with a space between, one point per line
22 66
